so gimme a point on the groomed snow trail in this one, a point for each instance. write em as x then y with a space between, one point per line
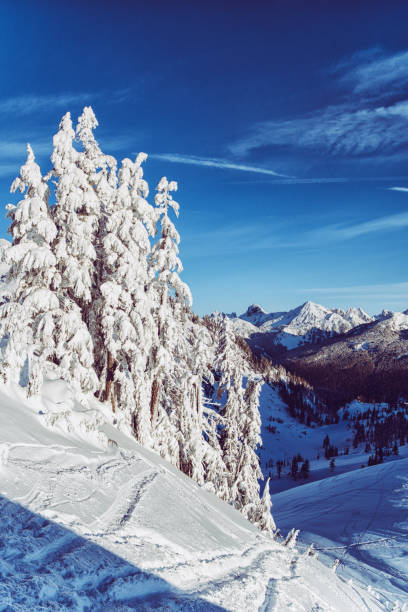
92 521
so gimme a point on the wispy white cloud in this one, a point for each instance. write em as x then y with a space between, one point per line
377 73
309 181
343 232
14 149
358 58
9 169
29 103
233 239
341 130
26 104
400 288
214 163
369 122
398 188
324 180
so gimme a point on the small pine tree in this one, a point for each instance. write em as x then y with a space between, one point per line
291 538
294 468
263 517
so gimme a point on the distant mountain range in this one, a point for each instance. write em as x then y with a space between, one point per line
345 352
307 324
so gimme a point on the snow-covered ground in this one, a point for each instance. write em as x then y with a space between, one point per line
361 518
358 515
91 521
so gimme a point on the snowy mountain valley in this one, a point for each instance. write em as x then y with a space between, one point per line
142 447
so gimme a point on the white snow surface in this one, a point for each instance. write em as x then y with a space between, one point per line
361 518
396 321
92 521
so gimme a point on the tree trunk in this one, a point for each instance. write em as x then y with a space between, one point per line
153 399
109 381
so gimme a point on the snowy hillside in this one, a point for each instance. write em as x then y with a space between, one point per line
360 518
91 520
356 515
307 323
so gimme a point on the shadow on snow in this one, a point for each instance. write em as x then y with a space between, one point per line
46 566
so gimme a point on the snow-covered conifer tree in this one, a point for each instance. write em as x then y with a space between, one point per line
192 356
76 217
241 426
127 323
100 173
244 483
42 326
171 298
229 374
100 168
262 516
291 538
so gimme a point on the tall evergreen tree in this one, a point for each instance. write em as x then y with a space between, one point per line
170 298
100 173
53 332
240 429
127 324
262 515
76 217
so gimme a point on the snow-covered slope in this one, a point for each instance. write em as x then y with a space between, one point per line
338 509
307 323
361 518
91 521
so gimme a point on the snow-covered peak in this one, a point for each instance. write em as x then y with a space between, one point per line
308 322
309 314
255 309
357 316
396 321
255 314
312 318
385 314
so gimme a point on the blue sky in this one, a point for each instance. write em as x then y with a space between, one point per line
285 124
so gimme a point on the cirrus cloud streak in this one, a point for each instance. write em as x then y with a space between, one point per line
214 162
